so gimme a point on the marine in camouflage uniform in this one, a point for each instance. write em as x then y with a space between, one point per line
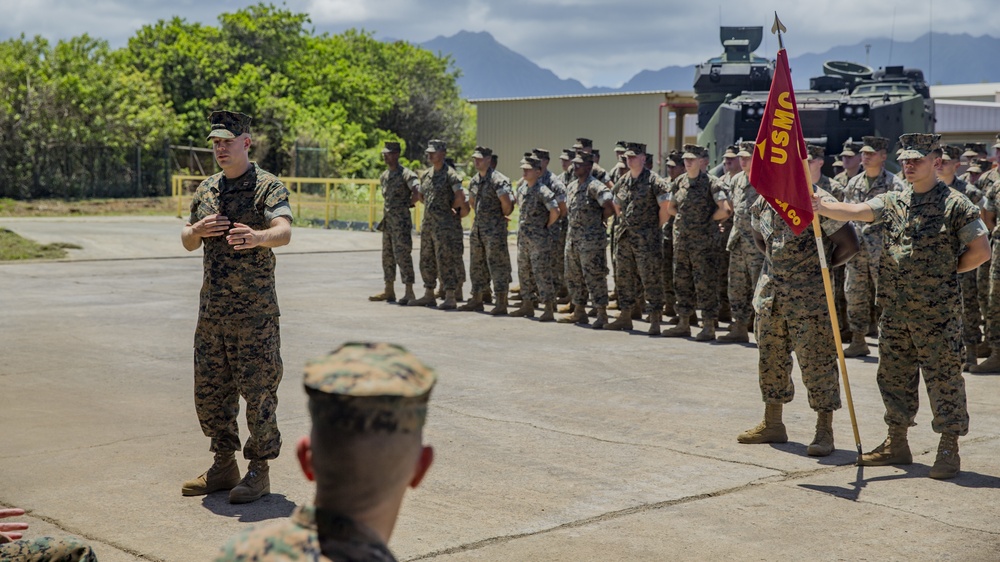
675 167
363 397
931 233
536 242
441 242
850 161
590 203
745 260
47 549
237 341
399 192
553 182
990 283
971 318
861 282
489 258
698 203
641 197
792 315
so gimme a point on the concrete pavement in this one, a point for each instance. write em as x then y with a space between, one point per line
553 442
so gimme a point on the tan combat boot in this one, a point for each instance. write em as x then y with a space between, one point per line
771 430
458 294
822 444
440 290
449 301
388 295
623 322
408 295
549 314
426 300
858 347
737 333
254 485
681 330
475 304
895 450
526 310
637 311
970 359
947 463
707 332
601 318
579 316
500 308
487 296
565 308
223 475
984 350
654 322
991 365
668 309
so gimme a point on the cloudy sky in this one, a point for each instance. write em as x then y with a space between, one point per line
600 43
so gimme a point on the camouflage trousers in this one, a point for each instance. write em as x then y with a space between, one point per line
744 270
861 285
489 259
782 328
48 549
441 249
837 277
722 267
667 266
536 261
696 280
992 314
970 308
587 271
234 358
640 258
397 246
908 348
563 226
983 284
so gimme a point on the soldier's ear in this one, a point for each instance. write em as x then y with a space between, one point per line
303 450
424 462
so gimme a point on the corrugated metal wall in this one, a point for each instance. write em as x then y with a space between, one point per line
513 126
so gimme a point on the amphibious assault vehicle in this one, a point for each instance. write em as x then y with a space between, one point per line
849 101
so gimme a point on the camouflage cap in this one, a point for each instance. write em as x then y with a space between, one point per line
634 148
540 153
837 163
816 151
391 147
997 145
731 151
482 152
597 153
694 151
746 149
436 146
918 145
674 158
366 387
975 166
851 148
974 149
567 154
228 124
951 152
583 142
874 144
583 158
620 146
531 162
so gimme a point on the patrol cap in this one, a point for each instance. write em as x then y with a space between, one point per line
746 149
540 153
583 158
918 145
583 142
851 148
837 164
951 152
634 148
816 151
694 151
974 149
391 147
567 154
975 166
620 146
228 124
596 152
997 145
482 152
674 159
436 145
874 144
731 151
368 387
531 162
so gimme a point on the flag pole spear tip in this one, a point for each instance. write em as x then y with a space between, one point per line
778 28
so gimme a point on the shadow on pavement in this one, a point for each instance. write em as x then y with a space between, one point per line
271 506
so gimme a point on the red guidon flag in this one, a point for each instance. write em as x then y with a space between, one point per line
777 170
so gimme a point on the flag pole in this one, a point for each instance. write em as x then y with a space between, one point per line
778 28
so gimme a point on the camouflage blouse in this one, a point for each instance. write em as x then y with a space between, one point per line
535 203
487 190
586 210
397 188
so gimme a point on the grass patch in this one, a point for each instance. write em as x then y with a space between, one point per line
143 206
15 247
